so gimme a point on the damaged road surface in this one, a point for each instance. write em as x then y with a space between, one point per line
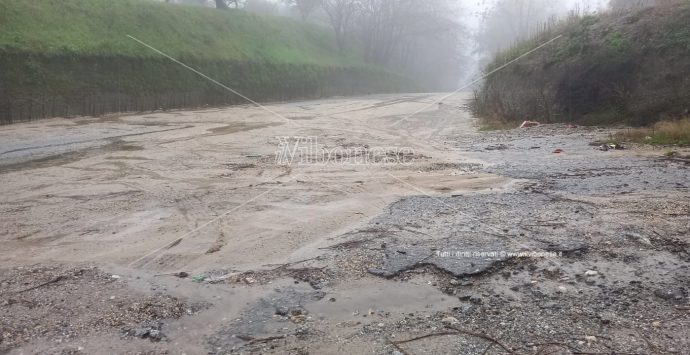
185 232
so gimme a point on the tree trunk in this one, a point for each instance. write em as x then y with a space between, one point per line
221 4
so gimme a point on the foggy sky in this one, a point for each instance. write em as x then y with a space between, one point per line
475 7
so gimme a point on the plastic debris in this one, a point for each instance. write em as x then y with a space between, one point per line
610 146
199 278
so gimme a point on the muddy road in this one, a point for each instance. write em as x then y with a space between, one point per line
338 226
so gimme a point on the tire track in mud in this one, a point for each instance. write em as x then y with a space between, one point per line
300 227
293 223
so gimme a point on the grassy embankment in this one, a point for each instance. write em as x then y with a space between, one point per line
675 132
73 57
630 68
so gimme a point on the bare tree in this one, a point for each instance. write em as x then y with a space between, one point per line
507 21
417 38
387 26
340 14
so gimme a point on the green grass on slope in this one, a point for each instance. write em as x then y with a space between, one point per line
64 58
100 28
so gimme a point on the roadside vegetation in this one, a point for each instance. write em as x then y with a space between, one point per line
494 124
73 57
627 66
661 133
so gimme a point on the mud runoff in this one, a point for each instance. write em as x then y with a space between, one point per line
179 233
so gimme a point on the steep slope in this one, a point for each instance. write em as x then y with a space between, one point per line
74 57
616 67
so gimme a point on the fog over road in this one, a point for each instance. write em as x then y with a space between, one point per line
320 224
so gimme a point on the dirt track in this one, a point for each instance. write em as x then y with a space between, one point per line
338 257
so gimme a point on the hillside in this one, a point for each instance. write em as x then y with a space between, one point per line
629 67
73 57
